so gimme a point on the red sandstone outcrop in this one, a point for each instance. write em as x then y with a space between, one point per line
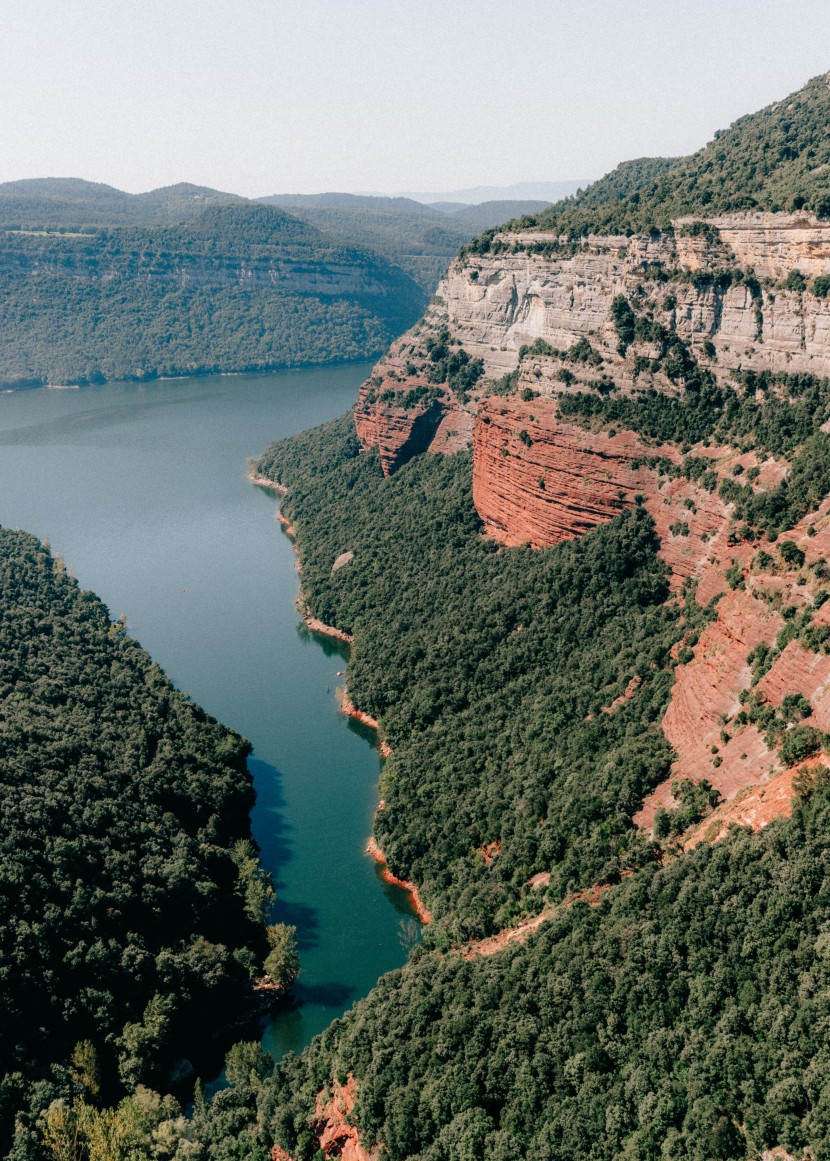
332 1124
538 480
700 720
398 410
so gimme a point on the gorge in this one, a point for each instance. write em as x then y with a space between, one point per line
576 529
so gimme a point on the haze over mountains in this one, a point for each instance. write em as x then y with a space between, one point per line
548 191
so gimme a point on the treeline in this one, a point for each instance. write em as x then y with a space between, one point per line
132 901
240 288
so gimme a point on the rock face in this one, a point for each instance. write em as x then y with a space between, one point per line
725 288
336 1135
721 289
399 433
538 481
497 302
397 409
703 722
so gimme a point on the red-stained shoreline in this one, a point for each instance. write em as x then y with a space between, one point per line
421 910
348 707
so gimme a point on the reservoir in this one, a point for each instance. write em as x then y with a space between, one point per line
143 489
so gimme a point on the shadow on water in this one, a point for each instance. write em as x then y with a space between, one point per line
276 850
332 995
331 646
367 733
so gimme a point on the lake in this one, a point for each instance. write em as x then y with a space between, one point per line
143 489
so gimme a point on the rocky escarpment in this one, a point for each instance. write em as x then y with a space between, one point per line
739 290
539 479
542 317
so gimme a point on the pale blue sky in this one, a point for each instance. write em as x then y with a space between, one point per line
264 96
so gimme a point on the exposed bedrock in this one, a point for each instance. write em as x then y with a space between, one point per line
534 286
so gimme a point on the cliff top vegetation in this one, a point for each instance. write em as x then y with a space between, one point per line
777 159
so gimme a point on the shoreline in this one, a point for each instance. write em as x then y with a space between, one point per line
348 708
421 910
264 482
318 626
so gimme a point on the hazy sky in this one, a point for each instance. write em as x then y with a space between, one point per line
264 96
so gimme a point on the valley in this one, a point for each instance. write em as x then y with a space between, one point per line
568 554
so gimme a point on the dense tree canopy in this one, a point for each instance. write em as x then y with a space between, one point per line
132 902
242 287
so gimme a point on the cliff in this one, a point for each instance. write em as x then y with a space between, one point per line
735 293
720 285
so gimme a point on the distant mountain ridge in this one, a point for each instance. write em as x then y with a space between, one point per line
546 191
69 201
420 239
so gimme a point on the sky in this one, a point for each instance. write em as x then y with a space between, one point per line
264 96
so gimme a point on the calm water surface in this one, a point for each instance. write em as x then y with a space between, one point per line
143 490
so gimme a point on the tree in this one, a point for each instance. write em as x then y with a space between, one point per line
282 964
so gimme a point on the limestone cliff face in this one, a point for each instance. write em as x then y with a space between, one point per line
724 288
536 287
498 302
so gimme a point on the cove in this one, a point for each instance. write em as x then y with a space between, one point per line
143 489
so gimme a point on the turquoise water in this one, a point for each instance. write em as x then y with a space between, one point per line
142 488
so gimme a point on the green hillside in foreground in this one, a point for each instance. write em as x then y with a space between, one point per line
776 159
131 898
242 287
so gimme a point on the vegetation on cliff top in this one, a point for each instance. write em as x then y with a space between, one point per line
775 159
132 901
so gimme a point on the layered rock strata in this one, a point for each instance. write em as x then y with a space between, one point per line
722 287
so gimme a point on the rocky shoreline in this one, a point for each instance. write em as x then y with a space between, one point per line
420 908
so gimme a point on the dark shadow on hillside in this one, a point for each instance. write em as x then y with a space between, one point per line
274 836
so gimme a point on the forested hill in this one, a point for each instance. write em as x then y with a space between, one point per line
70 203
131 898
419 238
241 287
775 159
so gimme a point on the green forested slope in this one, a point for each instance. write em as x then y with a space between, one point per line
683 1017
488 671
775 159
131 899
241 287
